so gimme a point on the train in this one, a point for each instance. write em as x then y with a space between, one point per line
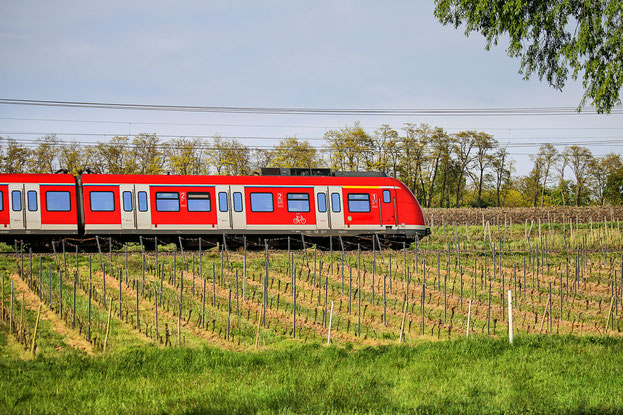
36 208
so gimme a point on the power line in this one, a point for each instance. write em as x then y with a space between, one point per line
532 111
588 139
325 127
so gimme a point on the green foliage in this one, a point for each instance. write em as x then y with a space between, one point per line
290 152
554 39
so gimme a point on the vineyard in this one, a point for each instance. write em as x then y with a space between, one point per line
564 278
166 315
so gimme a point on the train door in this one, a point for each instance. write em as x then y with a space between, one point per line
16 206
141 207
223 207
32 208
238 210
128 219
321 195
336 203
388 207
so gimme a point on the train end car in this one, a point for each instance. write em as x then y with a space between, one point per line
33 206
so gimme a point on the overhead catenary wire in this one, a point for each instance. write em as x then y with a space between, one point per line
325 127
505 111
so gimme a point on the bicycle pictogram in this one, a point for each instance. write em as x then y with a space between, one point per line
299 220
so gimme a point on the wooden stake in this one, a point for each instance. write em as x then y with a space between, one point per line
34 335
330 322
469 316
108 325
510 317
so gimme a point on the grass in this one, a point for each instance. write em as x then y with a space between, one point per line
537 375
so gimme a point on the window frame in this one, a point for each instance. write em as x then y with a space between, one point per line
13 192
288 199
237 203
142 193
177 198
359 200
336 196
196 196
28 193
272 201
47 207
389 196
112 193
220 202
123 199
324 202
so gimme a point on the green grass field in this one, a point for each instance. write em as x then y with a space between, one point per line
537 374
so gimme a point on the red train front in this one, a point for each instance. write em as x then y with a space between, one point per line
168 206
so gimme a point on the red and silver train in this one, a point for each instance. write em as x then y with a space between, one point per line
38 207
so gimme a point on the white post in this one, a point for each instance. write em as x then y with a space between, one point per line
510 317
469 316
330 321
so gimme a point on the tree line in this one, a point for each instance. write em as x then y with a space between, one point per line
468 168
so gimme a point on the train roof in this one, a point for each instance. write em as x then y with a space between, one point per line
241 180
37 178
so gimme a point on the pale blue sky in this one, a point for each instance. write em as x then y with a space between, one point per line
326 54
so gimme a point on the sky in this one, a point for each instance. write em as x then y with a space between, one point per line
286 54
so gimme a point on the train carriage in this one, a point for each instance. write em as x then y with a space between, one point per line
38 204
125 206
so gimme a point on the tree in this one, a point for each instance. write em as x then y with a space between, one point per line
113 157
502 168
561 165
385 139
607 172
412 157
463 146
229 157
290 152
351 148
186 156
148 153
15 157
485 144
441 149
44 157
580 159
540 174
72 158
554 38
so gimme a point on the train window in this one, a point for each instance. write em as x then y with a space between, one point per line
32 200
335 202
322 202
102 201
167 201
142 201
237 202
127 201
359 202
262 202
199 202
298 202
222 202
386 196
57 201
16 200
1 200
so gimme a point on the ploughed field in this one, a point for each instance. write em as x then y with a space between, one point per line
565 278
